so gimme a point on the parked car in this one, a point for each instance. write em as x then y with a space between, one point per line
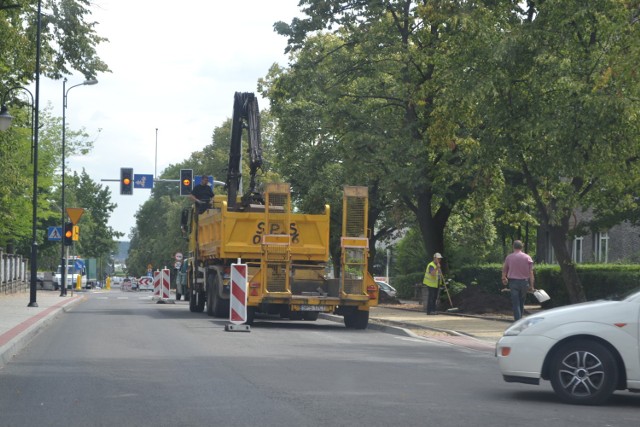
386 291
587 351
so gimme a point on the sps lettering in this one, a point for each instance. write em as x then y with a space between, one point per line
275 228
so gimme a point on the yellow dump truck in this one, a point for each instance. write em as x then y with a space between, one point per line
287 254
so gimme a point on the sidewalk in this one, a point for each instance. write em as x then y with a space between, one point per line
475 332
20 323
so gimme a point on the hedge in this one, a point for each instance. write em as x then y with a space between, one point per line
600 281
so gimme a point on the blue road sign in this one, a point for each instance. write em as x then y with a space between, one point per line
78 265
54 233
142 181
198 178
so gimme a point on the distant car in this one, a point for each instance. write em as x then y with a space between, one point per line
386 289
586 350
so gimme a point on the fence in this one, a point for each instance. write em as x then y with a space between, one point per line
13 274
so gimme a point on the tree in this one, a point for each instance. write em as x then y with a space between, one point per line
68 43
563 111
388 97
97 237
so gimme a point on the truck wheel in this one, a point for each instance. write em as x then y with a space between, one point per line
310 315
210 292
251 315
356 319
192 304
295 315
220 305
200 300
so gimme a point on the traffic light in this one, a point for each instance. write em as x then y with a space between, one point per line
67 235
126 181
186 181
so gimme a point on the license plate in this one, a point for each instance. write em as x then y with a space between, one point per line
306 307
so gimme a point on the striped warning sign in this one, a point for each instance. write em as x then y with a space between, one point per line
238 302
161 280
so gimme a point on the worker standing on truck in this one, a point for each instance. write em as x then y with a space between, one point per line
202 194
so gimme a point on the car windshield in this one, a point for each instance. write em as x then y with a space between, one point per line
384 286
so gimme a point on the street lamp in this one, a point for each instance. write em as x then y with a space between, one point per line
63 264
5 121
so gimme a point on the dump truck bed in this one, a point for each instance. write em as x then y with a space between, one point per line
224 234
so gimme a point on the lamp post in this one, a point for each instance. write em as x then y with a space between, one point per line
5 122
63 264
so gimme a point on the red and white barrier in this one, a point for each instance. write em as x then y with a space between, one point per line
161 281
238 300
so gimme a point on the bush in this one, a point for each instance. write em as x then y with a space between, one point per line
600 281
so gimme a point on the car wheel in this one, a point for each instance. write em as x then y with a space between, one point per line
584 372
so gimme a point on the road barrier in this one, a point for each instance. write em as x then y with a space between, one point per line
238 299
161 281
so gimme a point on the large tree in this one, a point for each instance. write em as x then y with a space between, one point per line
68 43
563 111
389 74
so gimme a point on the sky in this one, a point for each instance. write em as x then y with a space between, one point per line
175 68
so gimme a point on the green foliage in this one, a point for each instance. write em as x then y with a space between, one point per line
68 43
68 38
601 281
410 254
406 285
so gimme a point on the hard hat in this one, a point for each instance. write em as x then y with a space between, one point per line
437 255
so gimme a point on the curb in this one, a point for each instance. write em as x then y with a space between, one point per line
445 313
394 328
16 338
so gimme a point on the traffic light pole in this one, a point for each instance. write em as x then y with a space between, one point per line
63 272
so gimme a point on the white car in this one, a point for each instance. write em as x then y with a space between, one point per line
386 288
586 350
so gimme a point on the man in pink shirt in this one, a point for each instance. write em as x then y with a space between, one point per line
517 273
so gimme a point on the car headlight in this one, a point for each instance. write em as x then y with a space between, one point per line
522 324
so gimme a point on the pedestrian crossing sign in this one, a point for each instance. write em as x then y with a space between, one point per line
54 233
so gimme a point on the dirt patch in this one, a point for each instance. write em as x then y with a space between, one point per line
474 301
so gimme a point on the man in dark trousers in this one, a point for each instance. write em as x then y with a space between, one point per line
202 194
517 273
432 277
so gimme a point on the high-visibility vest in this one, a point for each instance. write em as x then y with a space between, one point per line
429 280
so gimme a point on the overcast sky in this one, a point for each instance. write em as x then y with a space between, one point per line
175 67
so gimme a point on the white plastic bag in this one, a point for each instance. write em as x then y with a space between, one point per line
541 295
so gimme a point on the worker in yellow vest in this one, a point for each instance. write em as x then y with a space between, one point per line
431 281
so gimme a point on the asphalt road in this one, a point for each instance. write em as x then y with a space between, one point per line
121 359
